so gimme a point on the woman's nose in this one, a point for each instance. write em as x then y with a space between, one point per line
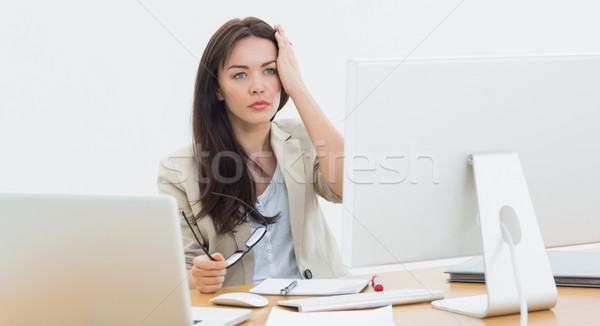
257 86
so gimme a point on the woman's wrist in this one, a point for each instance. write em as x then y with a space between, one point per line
298 91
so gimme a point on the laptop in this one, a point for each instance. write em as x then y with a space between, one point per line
96 260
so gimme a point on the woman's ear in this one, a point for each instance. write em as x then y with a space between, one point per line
219 95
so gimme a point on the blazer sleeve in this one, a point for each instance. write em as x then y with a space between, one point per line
296 128
171 177
321 186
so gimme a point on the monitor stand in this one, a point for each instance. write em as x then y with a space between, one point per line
504 199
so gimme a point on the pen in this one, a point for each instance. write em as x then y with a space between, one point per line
377 283
289 288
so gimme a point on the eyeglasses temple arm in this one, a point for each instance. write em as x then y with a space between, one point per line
244 203
195 236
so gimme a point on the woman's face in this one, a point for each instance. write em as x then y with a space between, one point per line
249 84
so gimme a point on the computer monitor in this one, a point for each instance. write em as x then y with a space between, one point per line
411 125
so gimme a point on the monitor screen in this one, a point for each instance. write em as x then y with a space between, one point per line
411 125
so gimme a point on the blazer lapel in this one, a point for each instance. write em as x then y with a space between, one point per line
291 162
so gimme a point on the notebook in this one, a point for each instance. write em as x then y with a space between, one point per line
96 260
273 286
570 268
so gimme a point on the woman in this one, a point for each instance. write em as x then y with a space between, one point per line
241 157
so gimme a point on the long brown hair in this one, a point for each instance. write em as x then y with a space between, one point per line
223 165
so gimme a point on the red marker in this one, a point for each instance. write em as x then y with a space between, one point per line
377 283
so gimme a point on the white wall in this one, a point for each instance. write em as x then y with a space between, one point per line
93 93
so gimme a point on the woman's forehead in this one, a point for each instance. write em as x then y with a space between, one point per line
251 51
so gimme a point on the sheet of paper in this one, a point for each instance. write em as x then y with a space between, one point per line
380 317
273 286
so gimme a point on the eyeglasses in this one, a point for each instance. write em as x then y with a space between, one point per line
254 238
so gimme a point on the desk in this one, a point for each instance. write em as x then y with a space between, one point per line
576 306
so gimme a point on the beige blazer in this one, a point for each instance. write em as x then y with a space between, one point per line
317 252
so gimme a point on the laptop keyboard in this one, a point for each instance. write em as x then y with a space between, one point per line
363 300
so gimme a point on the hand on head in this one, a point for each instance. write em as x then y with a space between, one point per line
287 66
208 275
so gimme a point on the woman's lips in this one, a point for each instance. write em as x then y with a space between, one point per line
259 105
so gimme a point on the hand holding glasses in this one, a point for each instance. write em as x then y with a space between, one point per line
254 238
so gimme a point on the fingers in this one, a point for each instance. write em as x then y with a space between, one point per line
281 37
287 65
205 263
209 275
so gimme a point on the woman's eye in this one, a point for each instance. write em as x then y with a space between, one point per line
270 71
239 75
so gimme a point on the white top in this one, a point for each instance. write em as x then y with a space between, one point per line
274 254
